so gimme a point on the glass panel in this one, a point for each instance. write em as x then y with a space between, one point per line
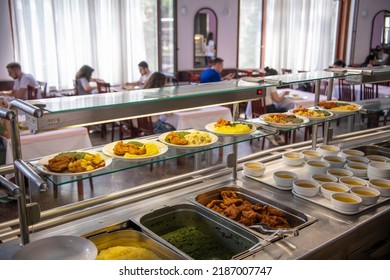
172 153
74 103
250 34
167 37
375 105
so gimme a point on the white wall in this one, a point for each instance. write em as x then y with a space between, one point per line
227 14
6 50
366 12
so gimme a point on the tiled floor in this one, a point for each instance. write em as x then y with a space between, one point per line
126 179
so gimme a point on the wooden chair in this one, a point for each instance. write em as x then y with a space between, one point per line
346 91
103 87
32 92
145 126
369 92
286 71
193 78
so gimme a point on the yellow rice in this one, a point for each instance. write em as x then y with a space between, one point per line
126 253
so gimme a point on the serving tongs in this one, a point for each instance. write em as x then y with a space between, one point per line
266 229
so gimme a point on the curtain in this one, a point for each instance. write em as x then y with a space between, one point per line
300 34
53 38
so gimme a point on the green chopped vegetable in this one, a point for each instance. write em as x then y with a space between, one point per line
135 143
77 155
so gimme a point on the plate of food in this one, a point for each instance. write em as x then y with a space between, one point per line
228 128
339 107
188 139
283 120
135 149
311 113
73 163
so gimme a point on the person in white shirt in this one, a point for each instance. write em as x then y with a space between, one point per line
143 68
22 81
83 79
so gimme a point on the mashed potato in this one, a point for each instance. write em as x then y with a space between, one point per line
151 150
198 138
126 253
230 129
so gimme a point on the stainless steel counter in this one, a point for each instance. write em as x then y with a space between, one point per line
332 236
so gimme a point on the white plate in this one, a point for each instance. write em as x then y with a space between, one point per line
162 137
108 150
210 127
63 247
41 165
359 107
313 118
280 125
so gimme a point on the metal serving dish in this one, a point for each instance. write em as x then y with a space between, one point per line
381 149
222 235
136 239
295 218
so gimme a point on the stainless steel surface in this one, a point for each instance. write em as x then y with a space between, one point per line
226 234
134 238
27 171
9 187
371 75
266 229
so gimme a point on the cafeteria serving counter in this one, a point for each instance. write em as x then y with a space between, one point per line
332 235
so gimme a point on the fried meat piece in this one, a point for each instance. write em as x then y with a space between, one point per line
221 122
175 139
327 104
121 148
59 163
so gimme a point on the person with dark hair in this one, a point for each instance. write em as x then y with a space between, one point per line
143 68
22 80
370 61
338 63
83 79
213 74
210 47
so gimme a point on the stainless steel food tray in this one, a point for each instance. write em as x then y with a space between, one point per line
169 218
136 239
295 218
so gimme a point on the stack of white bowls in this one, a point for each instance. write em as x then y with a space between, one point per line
378 170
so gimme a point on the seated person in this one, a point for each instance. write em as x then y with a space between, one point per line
274 102
143 68
213 74
370 61
158 80
83 77
338 64
4 124
22 80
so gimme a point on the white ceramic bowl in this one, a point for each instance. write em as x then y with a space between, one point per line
324 178
358 169
368 195
353 182
328 150
346 202
335 161
254 168
317 167
358 159
293 158
284 178
306 187
382 185
378 170
339 172
351 152
377 158
312 155
327 189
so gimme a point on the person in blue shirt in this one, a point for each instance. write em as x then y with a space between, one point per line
213 74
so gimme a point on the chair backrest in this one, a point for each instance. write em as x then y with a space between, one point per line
323 87
43 88
286 71
193 78
76 89
347 91
258 107
103 87
368 91
32 92
145 126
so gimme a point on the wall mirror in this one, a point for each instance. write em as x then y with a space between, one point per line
380 30
205 37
